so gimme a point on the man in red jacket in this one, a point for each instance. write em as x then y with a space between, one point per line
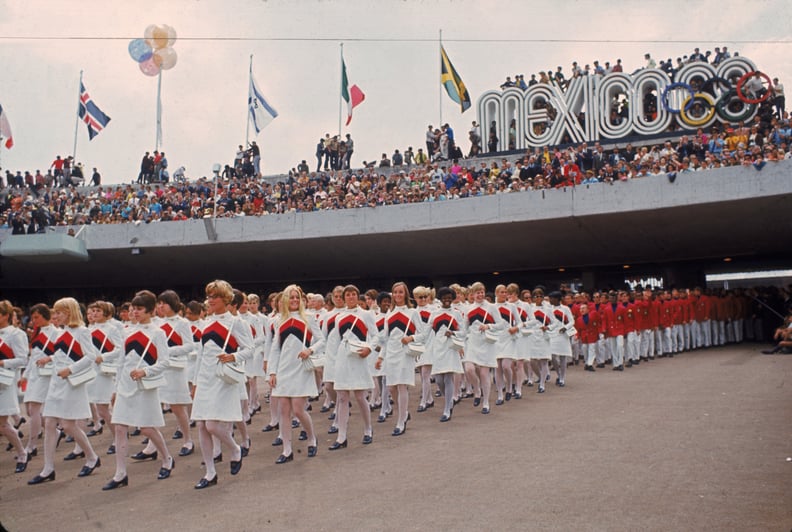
630 330
613 322
588 328
677 332
667 324
701 324
643 305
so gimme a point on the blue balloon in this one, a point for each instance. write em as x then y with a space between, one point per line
140 50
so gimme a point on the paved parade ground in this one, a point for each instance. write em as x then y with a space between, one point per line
702 441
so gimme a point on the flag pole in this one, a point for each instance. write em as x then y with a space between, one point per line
340 92
440 88
158 140
250 83
77 119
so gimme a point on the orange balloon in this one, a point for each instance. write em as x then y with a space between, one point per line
160 37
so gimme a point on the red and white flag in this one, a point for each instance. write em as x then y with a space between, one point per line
5 129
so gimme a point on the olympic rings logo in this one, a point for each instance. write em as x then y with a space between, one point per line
700 104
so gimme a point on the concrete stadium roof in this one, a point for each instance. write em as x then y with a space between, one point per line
702 215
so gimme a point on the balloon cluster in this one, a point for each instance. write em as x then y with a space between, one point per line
154 52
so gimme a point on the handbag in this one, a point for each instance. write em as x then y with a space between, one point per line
46 370
230 373
457 343
106 369
83 377
178 362
7 376
151 383
415 350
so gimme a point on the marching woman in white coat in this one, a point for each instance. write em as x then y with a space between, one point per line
539 321
355 336
481 318
176 392
226 341
67 401
255 367
137 403
424 304
42 347
13 356
108 341
522 310
403 325
291 373
446 326
507 346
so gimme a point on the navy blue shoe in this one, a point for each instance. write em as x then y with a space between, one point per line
113 484
87 470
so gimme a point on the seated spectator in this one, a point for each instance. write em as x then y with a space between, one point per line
506 84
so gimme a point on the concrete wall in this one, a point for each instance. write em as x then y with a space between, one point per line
649 193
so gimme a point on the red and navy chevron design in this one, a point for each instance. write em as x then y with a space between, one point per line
479 314
358 326
297 328
196 333
541 317
101 341
174 339
331 323
381 323
64 341
561 315
506 314
425 315
447 320
217 332
253 331
137 342
523 314
398 320
43 343
5 351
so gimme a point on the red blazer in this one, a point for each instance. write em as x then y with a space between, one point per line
613 319
588 333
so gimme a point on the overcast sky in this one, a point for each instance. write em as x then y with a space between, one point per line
391 52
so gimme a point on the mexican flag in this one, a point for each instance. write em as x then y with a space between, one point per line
353 96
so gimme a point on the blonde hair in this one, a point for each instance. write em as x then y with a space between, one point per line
407 302
513 288
6 308
221 289
421 291
475 287
283 303
70 307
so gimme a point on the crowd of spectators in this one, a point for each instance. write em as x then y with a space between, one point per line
31 209
558 78
31 202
